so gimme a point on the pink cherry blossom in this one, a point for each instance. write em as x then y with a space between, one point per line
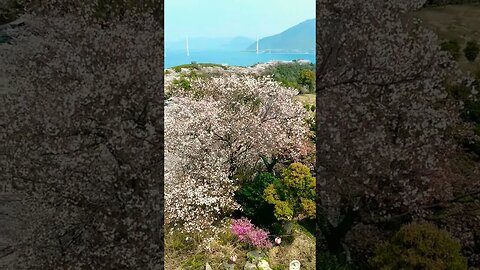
220 125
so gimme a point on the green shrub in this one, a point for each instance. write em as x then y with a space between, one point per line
250 197
182 82
419 246
312 108
197 66
452 47
293 195
307 78
185 82
296 75
193 75
471 51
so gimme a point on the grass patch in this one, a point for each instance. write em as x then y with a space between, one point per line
184 251
306 99
302 249
306 227
195 262
455 22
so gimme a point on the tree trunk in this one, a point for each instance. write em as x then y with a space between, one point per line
335 235
269 165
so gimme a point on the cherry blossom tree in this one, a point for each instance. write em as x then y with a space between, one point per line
217 127
385 123
81 134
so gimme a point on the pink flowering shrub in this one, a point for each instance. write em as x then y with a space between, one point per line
241 227
248 233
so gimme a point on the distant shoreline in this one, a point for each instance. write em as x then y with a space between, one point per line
243 51
202 64
234 58
267 52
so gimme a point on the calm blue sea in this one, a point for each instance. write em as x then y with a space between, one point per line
231 58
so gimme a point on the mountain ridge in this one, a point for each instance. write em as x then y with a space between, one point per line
298 38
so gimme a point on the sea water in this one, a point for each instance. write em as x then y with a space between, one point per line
231 58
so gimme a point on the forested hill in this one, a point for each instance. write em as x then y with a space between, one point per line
299 38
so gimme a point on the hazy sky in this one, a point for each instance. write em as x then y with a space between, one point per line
230 18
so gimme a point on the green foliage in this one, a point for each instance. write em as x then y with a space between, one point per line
471 51
255 256
250 197
419 246
453 47
307 78
293 195
182 82
177 68
300 76
193 74
196 261
196 66
177 241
